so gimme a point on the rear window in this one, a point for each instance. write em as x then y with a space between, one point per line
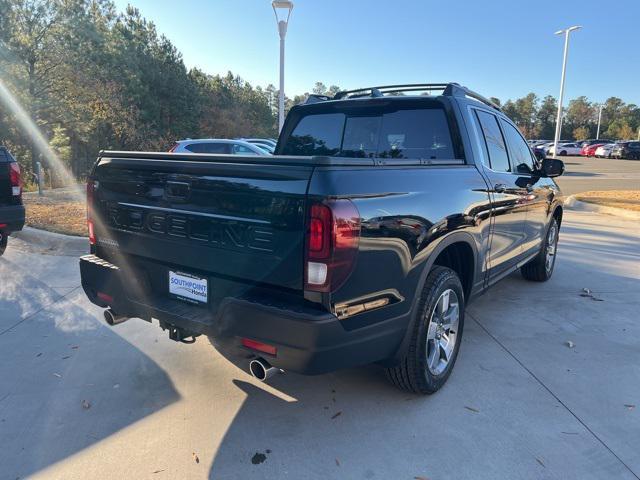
419 133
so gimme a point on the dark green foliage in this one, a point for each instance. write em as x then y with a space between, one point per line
94 79
537 120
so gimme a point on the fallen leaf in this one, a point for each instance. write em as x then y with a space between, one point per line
569 344
540 462
38 355
337 462
629 406
258 458
195 457
86 404
471 409
420 478
158 471
588 294
68 356
336 415
75 347
57 375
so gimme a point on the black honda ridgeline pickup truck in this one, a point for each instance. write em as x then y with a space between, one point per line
11 208
380 216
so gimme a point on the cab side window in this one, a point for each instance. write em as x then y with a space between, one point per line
519 151
496 147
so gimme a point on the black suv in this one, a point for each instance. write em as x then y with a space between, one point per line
11 208
629 150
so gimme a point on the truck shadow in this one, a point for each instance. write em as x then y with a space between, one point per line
284 426
61 392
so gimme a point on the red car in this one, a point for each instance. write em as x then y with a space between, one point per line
590 150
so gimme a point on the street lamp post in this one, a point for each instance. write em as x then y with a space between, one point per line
282 10
566 32
599 119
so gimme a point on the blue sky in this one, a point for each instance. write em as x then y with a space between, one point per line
502 48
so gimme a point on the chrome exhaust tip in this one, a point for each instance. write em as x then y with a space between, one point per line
112 318
262 370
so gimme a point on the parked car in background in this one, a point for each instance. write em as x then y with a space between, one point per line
589 150
628 150
604 151
565 149
264 143
216 145
11 208
541 150
593 141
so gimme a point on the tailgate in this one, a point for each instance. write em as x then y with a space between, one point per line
243 221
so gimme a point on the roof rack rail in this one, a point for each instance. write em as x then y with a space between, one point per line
449 89
315 98
456 90
376 91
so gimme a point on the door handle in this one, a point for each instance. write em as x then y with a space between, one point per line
499 188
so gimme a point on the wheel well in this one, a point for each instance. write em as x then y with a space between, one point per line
459 258
557 214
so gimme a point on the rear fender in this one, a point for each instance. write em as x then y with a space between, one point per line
450 239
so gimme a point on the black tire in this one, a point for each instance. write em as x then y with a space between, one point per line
538 270
563 153
412 373
3 242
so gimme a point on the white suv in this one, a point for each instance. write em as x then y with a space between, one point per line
216 145
565 149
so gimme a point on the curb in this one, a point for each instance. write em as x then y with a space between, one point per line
51 240
574 204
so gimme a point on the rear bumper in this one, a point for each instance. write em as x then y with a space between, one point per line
308 340
12 216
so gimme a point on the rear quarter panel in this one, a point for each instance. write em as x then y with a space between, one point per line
407 214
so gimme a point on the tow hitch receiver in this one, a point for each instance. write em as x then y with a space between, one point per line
178 334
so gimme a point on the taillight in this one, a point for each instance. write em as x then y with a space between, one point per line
91 187
333 235
15 179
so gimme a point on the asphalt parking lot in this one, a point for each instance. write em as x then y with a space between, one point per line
589 173
82 400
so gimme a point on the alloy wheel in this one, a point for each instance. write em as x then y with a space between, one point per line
552 245
442 332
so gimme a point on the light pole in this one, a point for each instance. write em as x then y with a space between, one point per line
566 32
599 119
282 10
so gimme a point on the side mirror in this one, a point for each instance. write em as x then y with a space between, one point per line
552 167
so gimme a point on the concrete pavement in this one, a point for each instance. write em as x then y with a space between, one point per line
81 400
